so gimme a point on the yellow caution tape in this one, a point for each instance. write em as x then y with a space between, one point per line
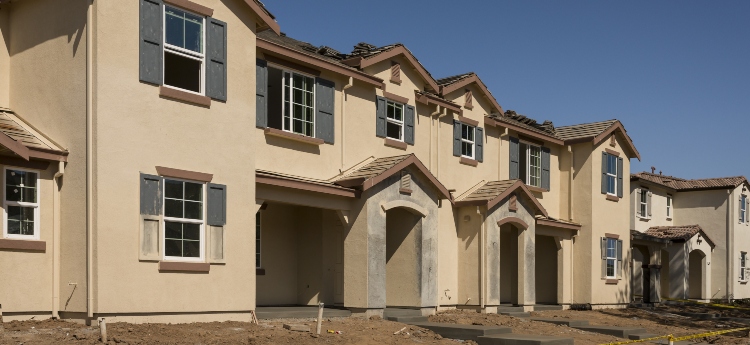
639 340
682 338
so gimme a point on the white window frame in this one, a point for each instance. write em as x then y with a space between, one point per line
643 205
669 206
202 223
35 205
612 258
743 266
184 52
258 239
528 164
394 121
471 142
614 176
291 94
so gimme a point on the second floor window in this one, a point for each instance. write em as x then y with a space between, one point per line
669 207
643 203
743 209
467 141
530 164
612 174
395 120
299 104
184 57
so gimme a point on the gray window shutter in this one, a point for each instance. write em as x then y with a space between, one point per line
619 177
456 138
638 202
479 140
216 59
648 203
151 194
217 205
604 172
747 210
604 257
514 158
151 55
619 259
380 120
215 245
545 168
324 106
261 93
409 124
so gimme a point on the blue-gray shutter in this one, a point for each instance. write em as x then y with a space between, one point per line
151 194
409 124
261 93
380 120
514 158
604 172
619 177
619 259
151 34
545 168
324 105
479 141
216 59
456 138
217 204
604 257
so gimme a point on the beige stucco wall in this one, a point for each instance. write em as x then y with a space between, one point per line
136 130
5 56
658 208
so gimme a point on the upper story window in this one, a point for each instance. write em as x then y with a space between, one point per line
183 220
395 120
21 204
743 209
611 174
184 54
291 101
530 164
643 204
467 141
669 206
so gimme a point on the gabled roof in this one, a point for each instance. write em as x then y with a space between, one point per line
680 185
365 54
380 169
453 83
18 138
525 125
493 192
268 21
595 132
678 233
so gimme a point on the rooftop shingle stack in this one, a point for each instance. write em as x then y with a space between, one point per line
680 184
511 117
323 52
584 130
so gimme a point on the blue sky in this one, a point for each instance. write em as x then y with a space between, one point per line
676 73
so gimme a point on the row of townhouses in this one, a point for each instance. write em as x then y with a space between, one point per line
176 160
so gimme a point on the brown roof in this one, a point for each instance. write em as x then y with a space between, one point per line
584 130
489 190
322 52
20 138
452 79
374 168
456 82
267 19
491 193
302 183
681 233
13 127
550 221
679 184
365 54
511 117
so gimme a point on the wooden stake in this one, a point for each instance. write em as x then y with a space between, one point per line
2 328
320 315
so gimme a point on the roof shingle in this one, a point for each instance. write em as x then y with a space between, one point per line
681 232
584 130
679 184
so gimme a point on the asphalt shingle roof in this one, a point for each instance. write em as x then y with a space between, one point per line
681 232
374 168
453 79
679 184
489 190
323 52
511 117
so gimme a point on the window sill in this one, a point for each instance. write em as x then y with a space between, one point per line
669 218
395 81
187 97
291 136
644 219
611 197
469 161
260 271
395 143
743 281
176 266
611 281
537 189
23 245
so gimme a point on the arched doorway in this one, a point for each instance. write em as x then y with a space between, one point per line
403 238
696 274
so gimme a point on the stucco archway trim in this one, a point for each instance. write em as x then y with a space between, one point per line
408 205
513 220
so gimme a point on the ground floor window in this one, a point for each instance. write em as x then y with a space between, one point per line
611 258
183 220
21 204
743 266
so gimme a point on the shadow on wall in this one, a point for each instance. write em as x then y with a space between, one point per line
625 291
61 17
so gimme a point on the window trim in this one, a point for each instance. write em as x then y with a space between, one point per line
473 143
182 51
614 259
528 163
743 266
202 222
669 206
36 206
390 120
614 176
283 101
643 205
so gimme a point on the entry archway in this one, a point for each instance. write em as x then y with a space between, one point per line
696 274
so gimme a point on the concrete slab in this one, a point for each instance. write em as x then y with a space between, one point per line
407 319
516 314
301 312
509 309
617 331
561 321
523 339
462 332
542 307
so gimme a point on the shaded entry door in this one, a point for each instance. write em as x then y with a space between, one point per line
646 279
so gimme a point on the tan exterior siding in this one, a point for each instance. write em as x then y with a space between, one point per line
5 57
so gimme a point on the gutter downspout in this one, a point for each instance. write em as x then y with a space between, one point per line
343 117
482 268
56 239
432 140
570 183
89 163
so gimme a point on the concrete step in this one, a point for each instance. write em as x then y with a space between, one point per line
298 312
516 314
509 309
542 307
617 331
407 319
640 336
462 332
523 339
392 312
561 321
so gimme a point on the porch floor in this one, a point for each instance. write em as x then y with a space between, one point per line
299 312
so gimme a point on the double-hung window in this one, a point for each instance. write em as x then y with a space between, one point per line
643 203
611 258
743 209
611 174
743 266
21 204
669 206
467 141
395 120
183 220
184 51
257 240
299 104
530 165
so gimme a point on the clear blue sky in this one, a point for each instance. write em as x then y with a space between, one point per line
676 73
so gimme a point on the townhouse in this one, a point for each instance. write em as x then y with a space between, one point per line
691 237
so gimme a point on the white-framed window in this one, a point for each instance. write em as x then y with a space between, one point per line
643 203
530 164
21 204
669 206
184 235
743 209
184 50
743 266
467 141
611 258
611 174
395 120
299 103
257 240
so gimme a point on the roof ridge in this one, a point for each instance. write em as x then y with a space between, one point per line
589 123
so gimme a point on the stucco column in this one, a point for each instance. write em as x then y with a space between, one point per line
564 263
527 267
363 268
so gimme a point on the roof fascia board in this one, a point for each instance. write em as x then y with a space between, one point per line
400 166
653 184
527 132
264 17
47 154
310 187
304 58
398 51
444 90
614 127
15 146
561 225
